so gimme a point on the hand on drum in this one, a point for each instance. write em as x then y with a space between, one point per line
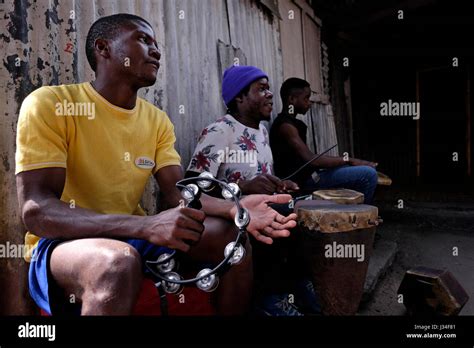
287 186
265 223
359 162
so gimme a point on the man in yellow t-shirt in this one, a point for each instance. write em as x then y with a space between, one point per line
84 154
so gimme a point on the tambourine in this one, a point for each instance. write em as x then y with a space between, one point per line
168 280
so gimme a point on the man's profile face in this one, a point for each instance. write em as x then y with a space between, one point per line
301 100
135 55
259 100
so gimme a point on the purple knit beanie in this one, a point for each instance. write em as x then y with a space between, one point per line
236 78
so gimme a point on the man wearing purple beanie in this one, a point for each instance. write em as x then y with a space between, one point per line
236 148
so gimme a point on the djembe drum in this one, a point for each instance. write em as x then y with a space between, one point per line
430 291
341 196
383 179
337 244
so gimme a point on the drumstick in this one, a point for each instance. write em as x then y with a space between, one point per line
311 160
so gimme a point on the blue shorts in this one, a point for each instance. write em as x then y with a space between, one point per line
47 294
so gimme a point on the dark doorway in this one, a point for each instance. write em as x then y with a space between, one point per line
442 125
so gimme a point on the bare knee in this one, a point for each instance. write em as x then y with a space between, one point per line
105 275
113 283
113 270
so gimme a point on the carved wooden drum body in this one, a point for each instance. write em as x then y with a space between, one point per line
337 243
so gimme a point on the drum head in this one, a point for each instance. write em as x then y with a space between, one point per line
330 218
383 179
341 196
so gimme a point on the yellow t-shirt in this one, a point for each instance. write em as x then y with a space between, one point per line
108 152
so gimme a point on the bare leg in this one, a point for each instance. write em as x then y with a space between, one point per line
104 274
235 287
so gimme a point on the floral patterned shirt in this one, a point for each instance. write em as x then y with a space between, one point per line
232 151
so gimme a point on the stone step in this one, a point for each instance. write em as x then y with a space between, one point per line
382 258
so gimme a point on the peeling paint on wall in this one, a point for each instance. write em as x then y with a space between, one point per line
5 162
51 15
18 26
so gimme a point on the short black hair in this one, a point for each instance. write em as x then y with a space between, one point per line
232 106
107 28
290 86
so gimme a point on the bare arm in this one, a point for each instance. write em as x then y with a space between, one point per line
290 134
292 138
265 223
45 215
42 211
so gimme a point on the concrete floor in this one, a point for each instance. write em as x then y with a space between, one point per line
426 234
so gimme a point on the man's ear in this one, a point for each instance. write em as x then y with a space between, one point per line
239 99
291 99
101 46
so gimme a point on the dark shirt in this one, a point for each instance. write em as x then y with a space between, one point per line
285 160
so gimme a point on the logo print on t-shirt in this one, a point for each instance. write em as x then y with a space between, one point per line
144 162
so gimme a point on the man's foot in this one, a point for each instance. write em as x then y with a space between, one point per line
276 306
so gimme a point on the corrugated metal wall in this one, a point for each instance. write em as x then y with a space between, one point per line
321 133
301 55
259 39
193 79
42 43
